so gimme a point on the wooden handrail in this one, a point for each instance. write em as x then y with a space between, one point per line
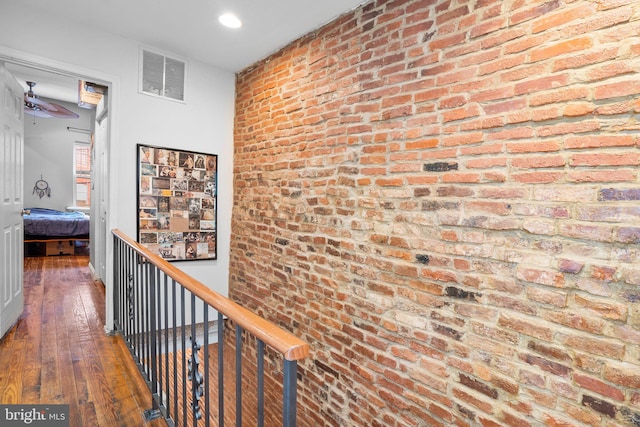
290 346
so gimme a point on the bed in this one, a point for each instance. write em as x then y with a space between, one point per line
48 224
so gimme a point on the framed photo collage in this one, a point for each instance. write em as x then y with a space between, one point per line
177 203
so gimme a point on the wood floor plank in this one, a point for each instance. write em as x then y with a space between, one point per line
11 376
88 414
58 351
66 347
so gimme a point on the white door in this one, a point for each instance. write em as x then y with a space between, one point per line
101 176
11 202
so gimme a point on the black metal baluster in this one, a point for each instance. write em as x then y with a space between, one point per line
154 384
129 296
207 409
146 319
260 375
137 309
142 284
116 283
220 370
194 367
289 398
123 289
175 350
167 398
184 358
157 338
137 304
238 376
153 350
122 275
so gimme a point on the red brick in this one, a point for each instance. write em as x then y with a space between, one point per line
562 95
461 113
447 42
563 16
599 141
501 64
561 48
608 310
540 84
538 162
480 58
537 177
468 138
501 38
578 109
602 176
603 159
584 59
452 14
452 102
486 163
599 21
610 70
534 146
599 387
466 74
501 107
533 12
568 128
596 346
522 73
545 296
522 44
624 374
525 326
614 90
487 27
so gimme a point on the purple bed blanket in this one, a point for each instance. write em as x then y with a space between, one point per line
49 222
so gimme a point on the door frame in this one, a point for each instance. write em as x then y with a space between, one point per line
18 57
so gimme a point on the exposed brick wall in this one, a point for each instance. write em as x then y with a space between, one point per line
443 199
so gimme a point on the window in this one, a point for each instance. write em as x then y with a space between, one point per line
82 174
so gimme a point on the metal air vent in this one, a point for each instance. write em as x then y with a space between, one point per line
162 76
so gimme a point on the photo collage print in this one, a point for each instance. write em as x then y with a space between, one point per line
177 203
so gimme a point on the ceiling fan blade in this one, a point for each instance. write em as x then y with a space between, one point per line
37 113
49 109
34 100
39 108
59 111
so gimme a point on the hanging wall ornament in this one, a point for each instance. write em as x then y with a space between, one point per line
42 188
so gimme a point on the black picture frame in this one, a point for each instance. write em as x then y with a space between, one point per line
177 203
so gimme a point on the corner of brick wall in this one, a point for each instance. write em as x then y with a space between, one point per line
442 198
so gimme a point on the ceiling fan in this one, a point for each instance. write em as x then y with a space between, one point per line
37 107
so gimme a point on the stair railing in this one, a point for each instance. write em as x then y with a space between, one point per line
163 315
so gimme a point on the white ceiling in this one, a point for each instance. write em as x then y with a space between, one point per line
190 29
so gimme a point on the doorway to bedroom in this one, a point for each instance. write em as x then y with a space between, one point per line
57 175
65 161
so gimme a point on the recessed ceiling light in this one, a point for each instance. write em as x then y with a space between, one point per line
230 20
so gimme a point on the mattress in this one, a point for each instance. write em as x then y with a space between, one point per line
52 223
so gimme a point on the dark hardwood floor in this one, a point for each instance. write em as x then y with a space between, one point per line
58 352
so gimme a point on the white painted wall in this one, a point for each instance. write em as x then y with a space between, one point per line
48 153
204 123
